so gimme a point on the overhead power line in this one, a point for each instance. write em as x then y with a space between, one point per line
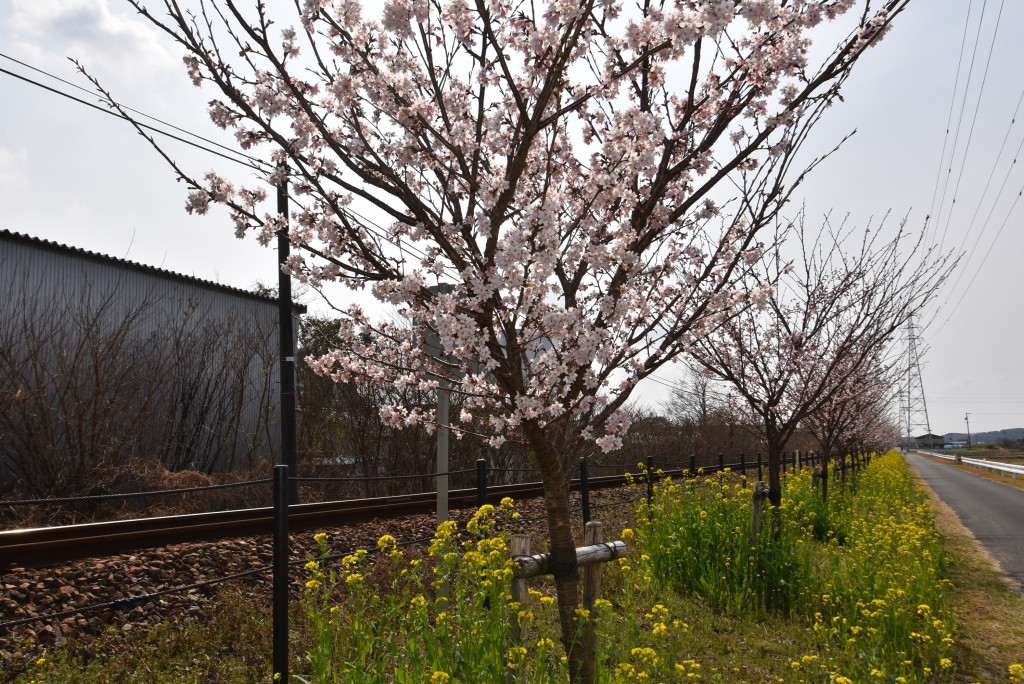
984 228
949 117
974 120
110 112
981 265
960 117
246 160
231 150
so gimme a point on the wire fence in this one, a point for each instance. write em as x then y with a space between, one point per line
584 506
745 466
53 501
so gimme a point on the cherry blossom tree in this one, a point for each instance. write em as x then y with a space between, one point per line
816 326
589 180
855 413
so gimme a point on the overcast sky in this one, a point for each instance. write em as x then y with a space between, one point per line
77 176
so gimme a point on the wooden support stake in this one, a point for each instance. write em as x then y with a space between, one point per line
589 558
592 535
760 494
520 592
537 564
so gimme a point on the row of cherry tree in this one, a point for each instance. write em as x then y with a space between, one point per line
814 350
591 182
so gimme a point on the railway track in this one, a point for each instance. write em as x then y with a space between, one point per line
46 546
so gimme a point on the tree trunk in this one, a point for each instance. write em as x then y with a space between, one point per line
563 549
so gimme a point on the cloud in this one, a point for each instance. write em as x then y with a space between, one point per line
13 174
89 31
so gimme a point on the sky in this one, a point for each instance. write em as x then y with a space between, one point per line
932 106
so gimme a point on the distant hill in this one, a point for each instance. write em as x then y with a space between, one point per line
1011 434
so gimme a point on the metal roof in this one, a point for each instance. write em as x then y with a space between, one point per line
22 238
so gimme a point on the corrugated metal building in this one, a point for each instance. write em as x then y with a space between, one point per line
103 360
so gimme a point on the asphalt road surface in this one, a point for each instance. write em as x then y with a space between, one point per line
992 511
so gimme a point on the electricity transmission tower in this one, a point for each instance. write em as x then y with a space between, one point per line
916 409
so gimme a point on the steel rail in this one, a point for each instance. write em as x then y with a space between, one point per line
47 546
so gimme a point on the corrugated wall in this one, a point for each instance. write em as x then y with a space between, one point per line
213 334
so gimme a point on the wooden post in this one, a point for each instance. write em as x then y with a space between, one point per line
760 494
588 557
592 535
520 592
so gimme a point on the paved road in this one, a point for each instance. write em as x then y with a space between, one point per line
992 511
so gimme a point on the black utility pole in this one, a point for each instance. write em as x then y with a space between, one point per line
967 418
287 341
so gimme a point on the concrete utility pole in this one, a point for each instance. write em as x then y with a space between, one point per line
967 418
431 343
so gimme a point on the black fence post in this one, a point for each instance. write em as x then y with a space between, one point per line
782 458
650 479
280 578
693 465
743 464
585 489
286 343
721 461
760 475
481 482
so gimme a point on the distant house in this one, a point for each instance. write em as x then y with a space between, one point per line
955 444
103 360
928 441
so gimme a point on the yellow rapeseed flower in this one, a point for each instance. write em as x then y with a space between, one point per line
516 655
387 543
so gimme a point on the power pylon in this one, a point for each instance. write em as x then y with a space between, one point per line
916 408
